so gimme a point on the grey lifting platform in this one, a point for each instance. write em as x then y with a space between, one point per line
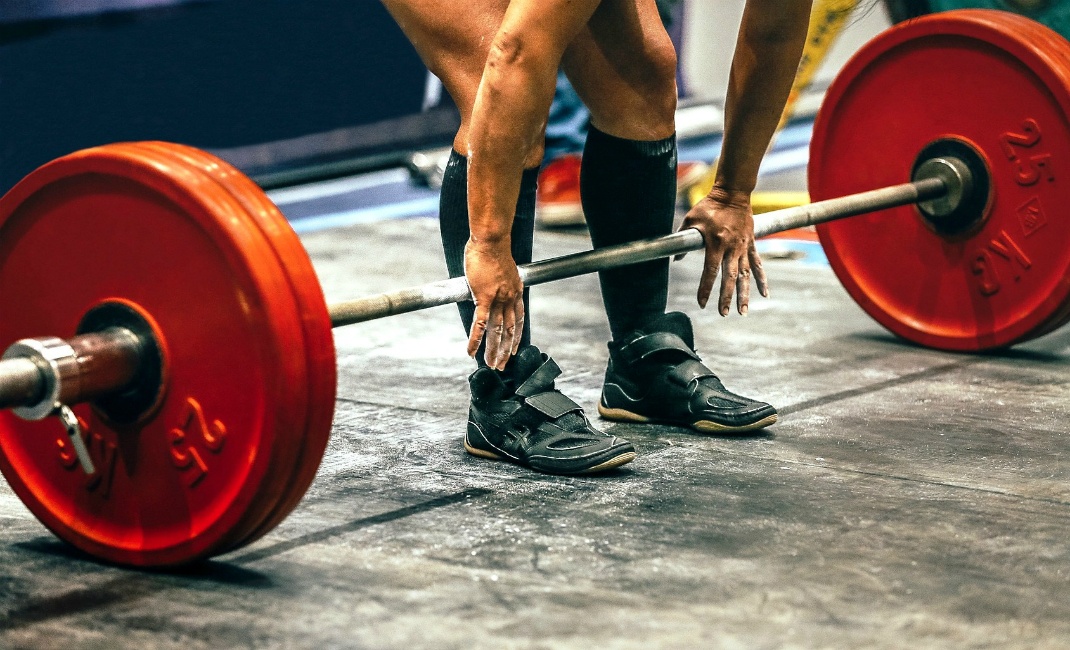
907 498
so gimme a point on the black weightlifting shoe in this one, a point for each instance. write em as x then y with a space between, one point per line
655 376
535 425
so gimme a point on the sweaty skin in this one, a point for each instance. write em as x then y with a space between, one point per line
499 59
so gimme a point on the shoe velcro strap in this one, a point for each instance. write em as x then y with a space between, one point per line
688 371
552 404
651 344
540 380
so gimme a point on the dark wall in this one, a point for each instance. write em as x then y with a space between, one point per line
21 10
217 75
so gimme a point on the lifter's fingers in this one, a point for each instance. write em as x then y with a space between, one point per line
711 265
518 332
492 339
743 286
730 273
758 271
479 328
505 348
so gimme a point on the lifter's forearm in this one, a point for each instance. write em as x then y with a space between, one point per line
507 124
771 39
509 114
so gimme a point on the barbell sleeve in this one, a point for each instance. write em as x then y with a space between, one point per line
684 241
37 375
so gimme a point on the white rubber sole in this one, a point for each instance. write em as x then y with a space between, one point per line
705 426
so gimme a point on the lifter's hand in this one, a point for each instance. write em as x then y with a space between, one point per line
726 222
499 295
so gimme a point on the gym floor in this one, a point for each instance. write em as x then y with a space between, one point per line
907 497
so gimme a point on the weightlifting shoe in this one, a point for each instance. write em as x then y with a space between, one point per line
654 375
535 425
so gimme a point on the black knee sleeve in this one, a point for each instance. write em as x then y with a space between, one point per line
628 189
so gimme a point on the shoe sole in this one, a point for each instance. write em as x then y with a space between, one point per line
705 426
612 463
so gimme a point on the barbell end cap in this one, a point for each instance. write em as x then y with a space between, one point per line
958 183
21 382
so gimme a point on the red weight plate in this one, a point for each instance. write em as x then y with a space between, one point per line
1000 83
293 469
301 468
321 387
1056 47
287 464
120 223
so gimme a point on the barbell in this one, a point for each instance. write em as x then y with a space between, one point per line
191 363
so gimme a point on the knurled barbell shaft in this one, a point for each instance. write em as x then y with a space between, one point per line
106 362
456 289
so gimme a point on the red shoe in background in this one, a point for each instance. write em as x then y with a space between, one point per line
688 174
557 202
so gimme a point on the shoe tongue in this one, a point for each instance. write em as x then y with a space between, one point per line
486 383
676 323
528 360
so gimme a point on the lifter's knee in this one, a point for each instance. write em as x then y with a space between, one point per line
658 87
631 96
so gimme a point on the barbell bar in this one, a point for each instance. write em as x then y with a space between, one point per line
196 379
954 174
37 375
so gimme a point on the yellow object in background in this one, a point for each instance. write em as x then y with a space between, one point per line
768 201
826 22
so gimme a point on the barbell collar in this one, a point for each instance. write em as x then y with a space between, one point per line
57 364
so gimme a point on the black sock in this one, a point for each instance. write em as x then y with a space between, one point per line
453 223
628 188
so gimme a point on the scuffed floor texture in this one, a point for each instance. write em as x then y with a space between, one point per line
907 498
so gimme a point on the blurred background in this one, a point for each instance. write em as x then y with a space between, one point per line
292 92
288 91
